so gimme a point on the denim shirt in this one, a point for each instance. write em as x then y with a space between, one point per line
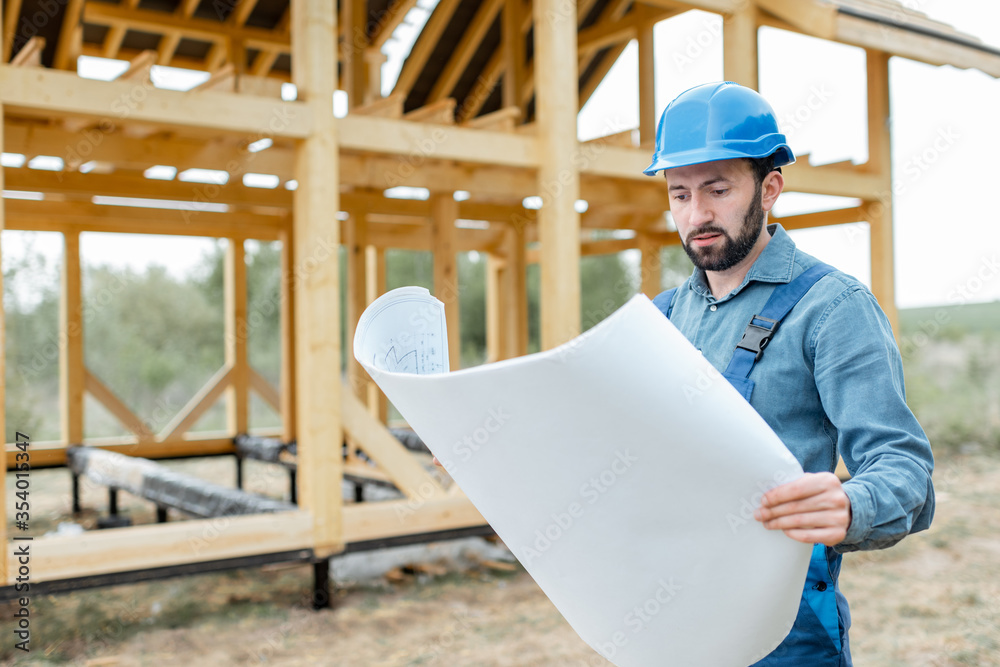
829 382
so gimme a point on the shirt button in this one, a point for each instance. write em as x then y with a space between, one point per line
713 308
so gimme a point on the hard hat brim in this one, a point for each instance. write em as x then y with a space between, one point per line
782 156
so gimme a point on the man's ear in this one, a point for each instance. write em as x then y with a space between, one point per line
773 185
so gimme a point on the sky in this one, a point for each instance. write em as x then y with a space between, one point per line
944 139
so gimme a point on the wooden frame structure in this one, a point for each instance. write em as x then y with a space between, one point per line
486 102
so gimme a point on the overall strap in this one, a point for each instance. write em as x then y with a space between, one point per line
665 301
761 328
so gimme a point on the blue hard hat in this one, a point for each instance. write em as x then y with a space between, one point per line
717 121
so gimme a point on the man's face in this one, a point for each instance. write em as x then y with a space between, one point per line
718 212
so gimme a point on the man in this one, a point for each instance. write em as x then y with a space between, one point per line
830 380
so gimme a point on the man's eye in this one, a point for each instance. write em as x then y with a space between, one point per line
681 197
719 192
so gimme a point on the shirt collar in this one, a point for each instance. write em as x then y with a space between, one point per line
774 265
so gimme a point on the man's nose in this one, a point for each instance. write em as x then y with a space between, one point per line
700 211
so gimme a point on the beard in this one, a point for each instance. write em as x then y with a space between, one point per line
732 251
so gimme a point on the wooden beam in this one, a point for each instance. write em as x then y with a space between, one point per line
483 88
597 76
30 92
466 48
840 216
397 462
316 234
199 403
809 17
146 547
739 56
53 453
375 277
558 173
647 85
140 69
116 407
67 48
390 20
355 242
503 120
650 265
421 141
354 70
113 40
444 213
222 79
30 54
71 367
236 333
837 181
265 389
370 521
59 216
422 48
205 30
441 112
512 47
11 14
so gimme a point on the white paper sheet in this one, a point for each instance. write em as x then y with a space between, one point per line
621 469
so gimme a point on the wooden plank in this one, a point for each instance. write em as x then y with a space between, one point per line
140 68
315 234
419 141
444 213
116 407
465 49
558 173
386 451
355 245
369 521
265 389
422 48
739 56
199 403
71 368
30 54
809 17
144 547
48 92
236 332
803 177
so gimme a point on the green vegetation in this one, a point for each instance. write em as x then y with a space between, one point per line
155 339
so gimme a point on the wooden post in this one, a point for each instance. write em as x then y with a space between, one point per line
287 315
739 57
378 404
355 244
647 86
71 366
3 384
444 213
650 266
354 68
880 162
506 298
235 289
513 52
316 238
558 175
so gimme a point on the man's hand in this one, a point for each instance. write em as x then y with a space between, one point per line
814 509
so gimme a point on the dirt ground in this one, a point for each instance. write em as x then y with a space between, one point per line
933 600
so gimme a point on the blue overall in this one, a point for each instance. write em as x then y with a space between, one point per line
818 637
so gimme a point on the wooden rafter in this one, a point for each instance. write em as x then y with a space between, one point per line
203 30
389 21
265 58
11 13
466 48
170 40
113 39
70 36
30 54
424 45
